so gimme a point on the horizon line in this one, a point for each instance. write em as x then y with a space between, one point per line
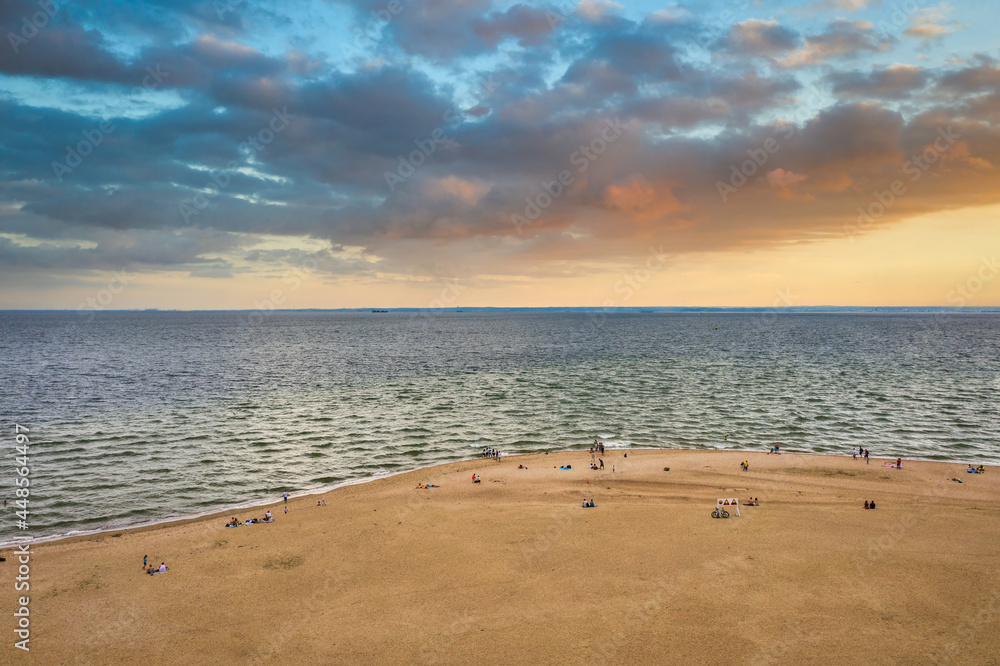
651 309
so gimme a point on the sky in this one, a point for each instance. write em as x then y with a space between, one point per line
244 154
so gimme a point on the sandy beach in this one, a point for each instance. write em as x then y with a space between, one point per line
514 570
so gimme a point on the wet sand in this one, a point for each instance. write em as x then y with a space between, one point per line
514 570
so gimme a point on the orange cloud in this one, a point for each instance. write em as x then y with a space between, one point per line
638 199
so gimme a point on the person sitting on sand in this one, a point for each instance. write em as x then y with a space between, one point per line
592 502
866 504
872 505
981 470
268 515
163 568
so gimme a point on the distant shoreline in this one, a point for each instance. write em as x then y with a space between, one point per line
225 511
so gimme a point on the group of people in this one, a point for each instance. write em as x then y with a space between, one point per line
491 453
753 501
154 569
587 504
598 448
594 465
861 452
250 521
745 465
976 470
870 505
776 448
476 478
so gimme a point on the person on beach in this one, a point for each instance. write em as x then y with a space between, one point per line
286 509
867 461
602 463
286 497
854 453
866 504
163 567
267 515
144 561
899 463
872 505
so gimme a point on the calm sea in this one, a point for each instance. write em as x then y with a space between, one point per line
135 417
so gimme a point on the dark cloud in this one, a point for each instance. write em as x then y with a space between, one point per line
980 76
894 82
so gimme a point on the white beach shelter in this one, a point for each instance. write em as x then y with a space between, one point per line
727 503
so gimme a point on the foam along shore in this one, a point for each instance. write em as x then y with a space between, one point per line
513 569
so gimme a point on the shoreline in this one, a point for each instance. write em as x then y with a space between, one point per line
263 504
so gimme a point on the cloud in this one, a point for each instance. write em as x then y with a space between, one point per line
686 121
931 23
596 10
842 39
847 5
759 38
893 82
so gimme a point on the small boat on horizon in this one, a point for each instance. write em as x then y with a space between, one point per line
380 311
